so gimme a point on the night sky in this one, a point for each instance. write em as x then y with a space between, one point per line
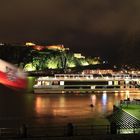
106 28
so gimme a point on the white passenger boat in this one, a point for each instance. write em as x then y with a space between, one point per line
86 83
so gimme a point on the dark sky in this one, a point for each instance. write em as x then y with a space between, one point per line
106 28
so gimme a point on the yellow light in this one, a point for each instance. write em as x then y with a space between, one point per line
29 44
116 93
115 82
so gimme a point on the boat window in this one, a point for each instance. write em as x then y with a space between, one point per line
43 83
61 82
116 83
109 82
86 82
92 87
55 83
39 83
47 83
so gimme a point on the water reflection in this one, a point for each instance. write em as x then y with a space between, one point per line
41 104
127 95
93 99
62 101
104 98
76 107
31 82
57 108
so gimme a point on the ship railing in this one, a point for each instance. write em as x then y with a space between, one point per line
90 77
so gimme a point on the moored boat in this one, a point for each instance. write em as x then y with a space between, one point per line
85 83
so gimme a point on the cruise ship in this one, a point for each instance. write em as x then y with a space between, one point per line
86 83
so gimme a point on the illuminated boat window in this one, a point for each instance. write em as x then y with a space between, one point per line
43 82
39 83
61 83
115 82
47 83
92 87
109 82
127 81
65 77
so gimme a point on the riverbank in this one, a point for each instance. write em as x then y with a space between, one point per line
132 109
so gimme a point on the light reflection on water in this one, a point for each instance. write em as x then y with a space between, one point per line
104 98
71 107
17 108
93 99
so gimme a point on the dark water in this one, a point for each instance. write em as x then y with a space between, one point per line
18 107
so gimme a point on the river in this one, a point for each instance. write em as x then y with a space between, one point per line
24 107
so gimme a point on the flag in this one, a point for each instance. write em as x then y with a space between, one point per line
12 76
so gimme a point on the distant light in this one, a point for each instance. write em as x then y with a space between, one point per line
115 66
30 44
39 48
1 44
105 62
57 47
